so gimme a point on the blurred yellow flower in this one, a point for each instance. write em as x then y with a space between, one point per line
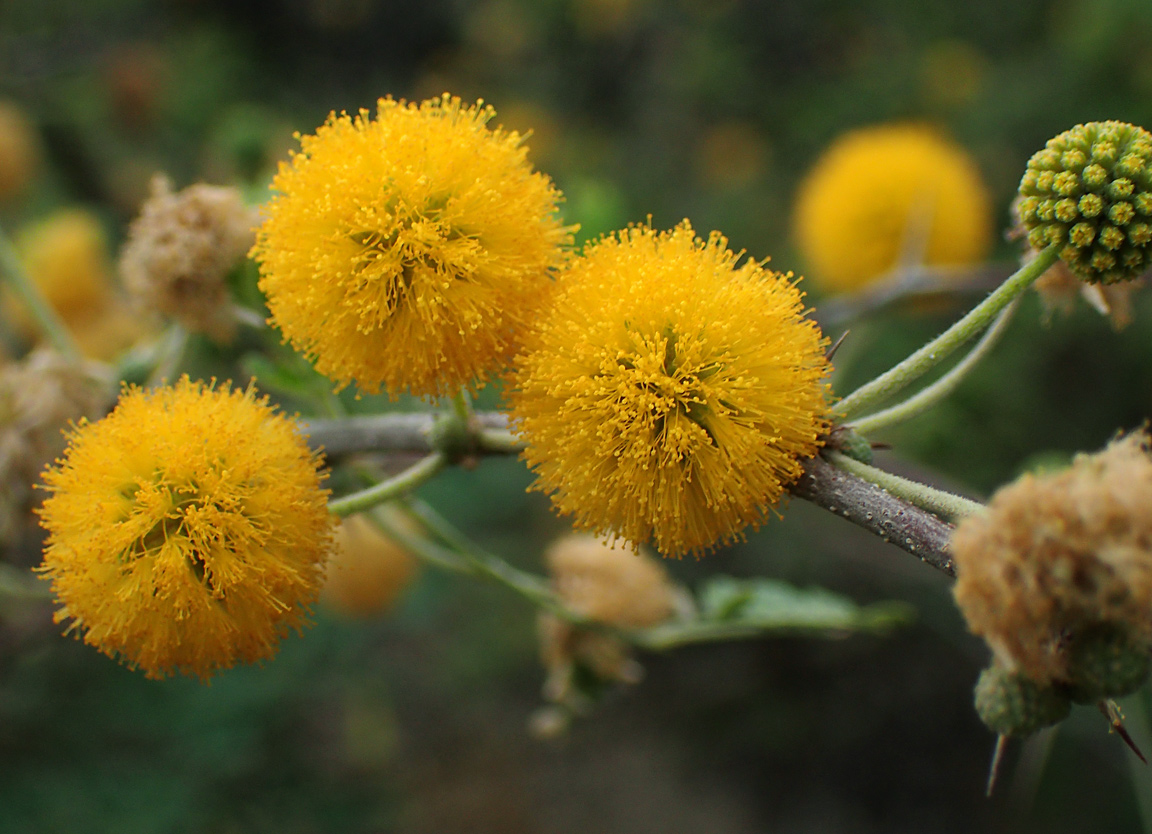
670 395
409 251
66 256
368 570
875 190
187 531
19 150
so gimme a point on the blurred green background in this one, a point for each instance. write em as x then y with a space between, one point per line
706 109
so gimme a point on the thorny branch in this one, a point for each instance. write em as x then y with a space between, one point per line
910 528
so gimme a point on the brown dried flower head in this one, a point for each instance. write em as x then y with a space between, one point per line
179 252
610 583
39 396
1059 556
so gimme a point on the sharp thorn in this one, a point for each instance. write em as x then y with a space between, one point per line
1116 723
836 346
994 767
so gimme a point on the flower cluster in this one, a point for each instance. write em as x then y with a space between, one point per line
1090 190
187 531
409 251
670 395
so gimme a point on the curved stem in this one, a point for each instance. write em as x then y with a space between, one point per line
50 324
393 487
927 357
535 589
921 495
941 388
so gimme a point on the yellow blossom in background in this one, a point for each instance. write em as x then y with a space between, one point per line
19 150
368 570
66 255
409 251
187 531
670 395
881 189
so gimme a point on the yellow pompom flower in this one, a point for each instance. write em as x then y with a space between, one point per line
409 251
865 197
670 395
187 530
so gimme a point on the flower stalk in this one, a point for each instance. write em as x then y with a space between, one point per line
919 363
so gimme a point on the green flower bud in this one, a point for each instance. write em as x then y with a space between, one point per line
1091 190
1105 662
1012 705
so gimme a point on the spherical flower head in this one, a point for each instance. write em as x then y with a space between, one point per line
368 570
187 530
1057 559
881 191
180 250
670 395
1090 190
66 255
409 251
609 583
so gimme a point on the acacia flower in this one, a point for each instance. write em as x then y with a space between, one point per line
187 530
368 570
66 255
670 395
865 199
409 251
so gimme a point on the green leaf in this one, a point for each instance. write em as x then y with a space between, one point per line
731 609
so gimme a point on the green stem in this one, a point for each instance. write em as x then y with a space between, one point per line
533 588
462 407
393 487
927 357
50 324
941 388
499 442
878 617
934 500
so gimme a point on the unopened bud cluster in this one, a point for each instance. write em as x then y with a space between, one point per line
1090 190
